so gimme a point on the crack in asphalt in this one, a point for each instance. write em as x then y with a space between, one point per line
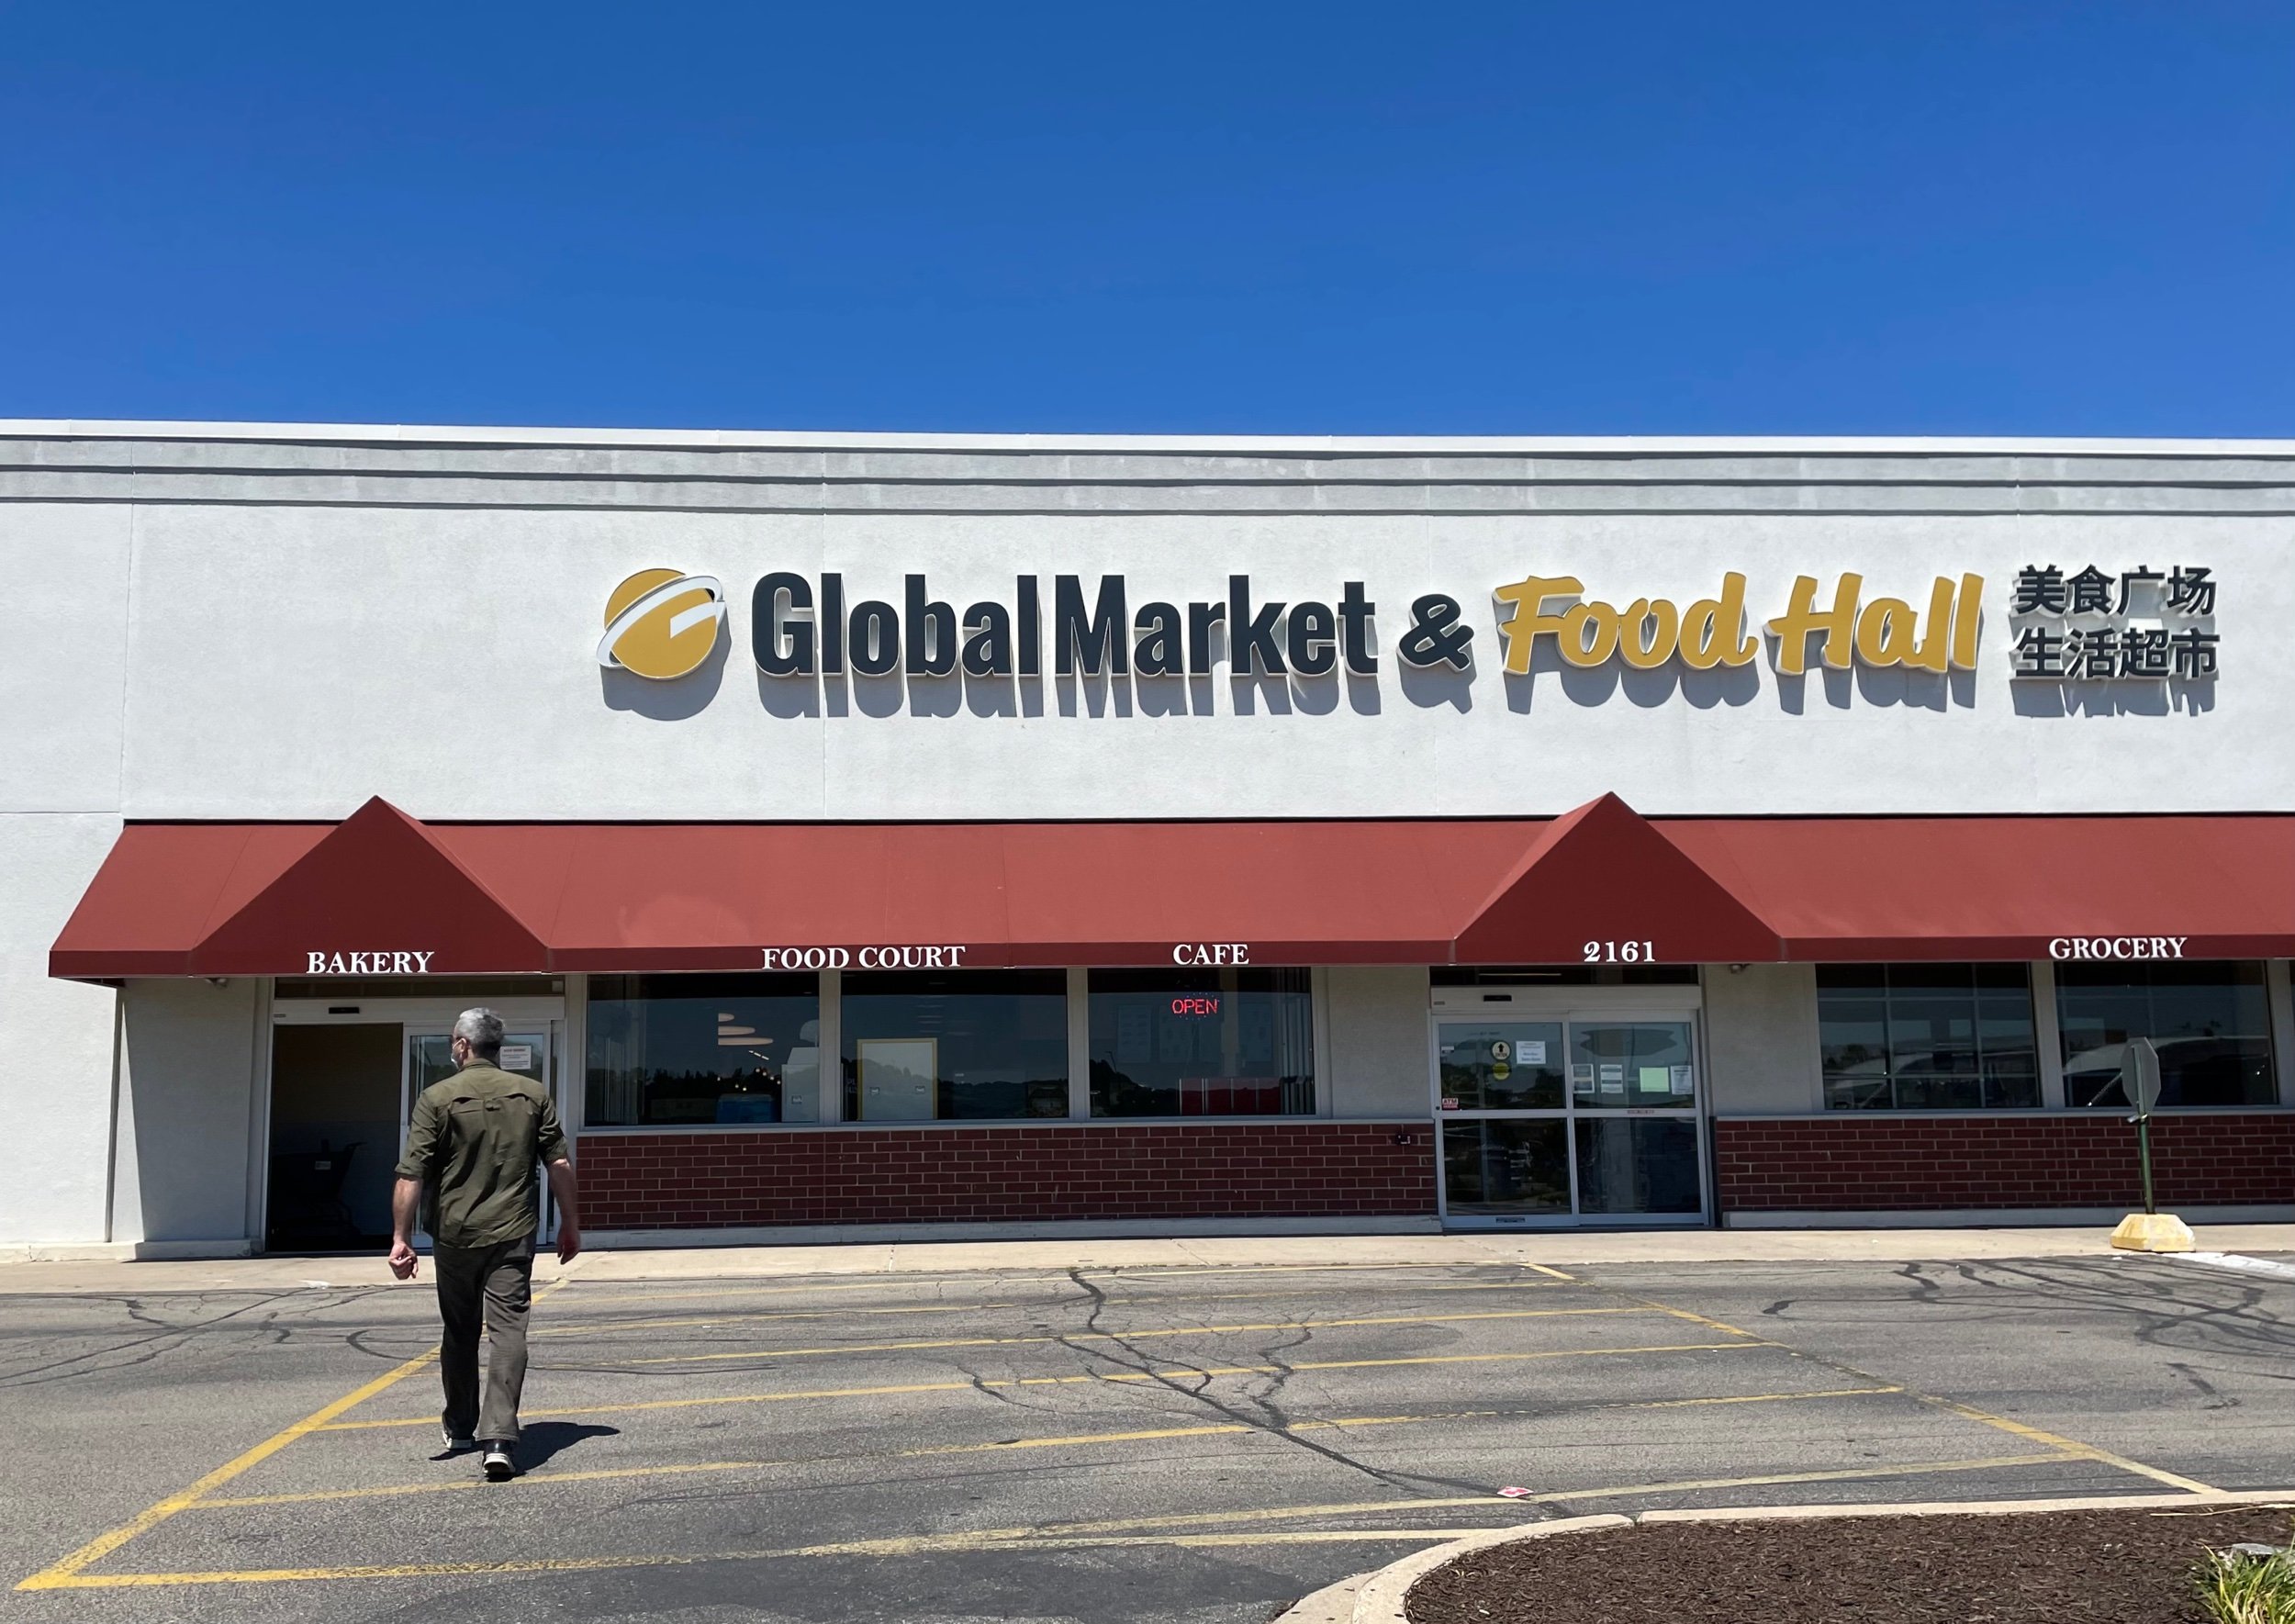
1272 1421
163 1339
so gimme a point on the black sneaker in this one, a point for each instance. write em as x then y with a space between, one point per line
499 1467
457 1443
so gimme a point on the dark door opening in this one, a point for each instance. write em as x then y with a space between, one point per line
334 1136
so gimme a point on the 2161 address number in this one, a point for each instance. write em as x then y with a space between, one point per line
1621 953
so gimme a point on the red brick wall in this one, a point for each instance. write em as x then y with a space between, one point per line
1872 1162
954 1174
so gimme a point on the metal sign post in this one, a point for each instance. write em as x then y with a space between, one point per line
2139 1080
2151 1231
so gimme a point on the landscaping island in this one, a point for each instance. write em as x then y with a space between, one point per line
2065 1567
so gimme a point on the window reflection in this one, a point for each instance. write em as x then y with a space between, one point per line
1927 1036
703 1048
2211 1023
937 1045
1201 1043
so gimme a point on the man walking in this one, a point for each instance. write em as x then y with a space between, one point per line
469 1165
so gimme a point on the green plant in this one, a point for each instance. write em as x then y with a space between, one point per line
2239 1588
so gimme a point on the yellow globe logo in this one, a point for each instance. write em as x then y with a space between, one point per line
661 623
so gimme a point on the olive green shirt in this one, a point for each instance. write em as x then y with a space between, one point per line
477 1140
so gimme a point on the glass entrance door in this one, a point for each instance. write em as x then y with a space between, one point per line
1579 1117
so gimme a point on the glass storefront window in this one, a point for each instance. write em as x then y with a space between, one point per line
2212 1023
939 1045
1632 1065
666 1051
1201 1043
1507 1167
1501 1065
1927 1036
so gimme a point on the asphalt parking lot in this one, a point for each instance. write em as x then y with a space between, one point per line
1193 1444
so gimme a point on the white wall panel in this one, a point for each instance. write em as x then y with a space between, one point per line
289 662
55 1088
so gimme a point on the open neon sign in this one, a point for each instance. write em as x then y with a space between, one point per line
1195 1007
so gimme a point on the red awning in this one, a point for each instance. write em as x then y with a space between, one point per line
1605 884
2211 886
382 894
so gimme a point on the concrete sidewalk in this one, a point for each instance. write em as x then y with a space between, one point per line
1557 1249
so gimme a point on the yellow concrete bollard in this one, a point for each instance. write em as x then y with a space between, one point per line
2153 1232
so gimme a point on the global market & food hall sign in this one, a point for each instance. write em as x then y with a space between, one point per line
2088 625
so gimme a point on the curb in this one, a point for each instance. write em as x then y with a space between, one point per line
2238 1261
1378 1597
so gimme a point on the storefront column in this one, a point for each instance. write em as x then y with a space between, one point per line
573 1055
2046 1036
2275 984
832 1042
1080 1044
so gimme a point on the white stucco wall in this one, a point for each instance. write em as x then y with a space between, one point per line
1761 1040
339 648
63 680
1379 1034
187 1076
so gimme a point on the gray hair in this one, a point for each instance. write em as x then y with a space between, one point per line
482 1029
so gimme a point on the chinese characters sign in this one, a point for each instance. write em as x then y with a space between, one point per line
2142 624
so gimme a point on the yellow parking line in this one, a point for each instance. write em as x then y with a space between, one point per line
1178 1373
2069 1446
65 1573
687 1469
599 1290
590 1564
607 1327
1845 1474
1057 1536
1185 1331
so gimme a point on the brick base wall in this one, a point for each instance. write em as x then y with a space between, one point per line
982 1174
1858 1162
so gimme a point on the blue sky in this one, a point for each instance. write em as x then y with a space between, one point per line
1231 218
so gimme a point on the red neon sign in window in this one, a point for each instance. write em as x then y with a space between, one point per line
1195 1007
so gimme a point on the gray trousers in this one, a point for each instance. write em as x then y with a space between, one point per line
493 1285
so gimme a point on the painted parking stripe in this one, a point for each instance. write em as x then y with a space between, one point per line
1069 1536
1071 1337
1176 1373
1968 1412
607 1327
687 1469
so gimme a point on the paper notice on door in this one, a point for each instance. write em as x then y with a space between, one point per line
1529 1052
1613 1085
1581 1074
517 1056
1682 1076
1655 1080
1613 1074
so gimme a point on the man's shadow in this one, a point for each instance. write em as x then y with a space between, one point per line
544 1440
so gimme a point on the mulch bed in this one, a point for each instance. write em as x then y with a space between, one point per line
2056 1567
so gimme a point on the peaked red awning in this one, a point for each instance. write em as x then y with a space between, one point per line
377 890
1605 884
